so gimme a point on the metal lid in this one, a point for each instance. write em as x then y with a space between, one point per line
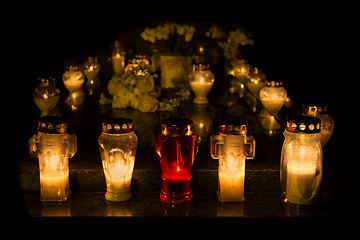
117 125
52 125
314 109
233 127
201 66
273 83
177 127
303 124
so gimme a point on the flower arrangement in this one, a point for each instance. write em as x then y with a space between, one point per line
136 89
170 37
230 42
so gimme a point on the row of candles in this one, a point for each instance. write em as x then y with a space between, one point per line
176 148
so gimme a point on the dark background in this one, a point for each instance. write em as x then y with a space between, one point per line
297 43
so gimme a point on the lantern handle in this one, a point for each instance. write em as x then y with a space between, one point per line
249 147
215 142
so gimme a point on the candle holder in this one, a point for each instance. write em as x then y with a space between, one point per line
232 147
301 160
73 80
53 146
91 70
46 95
176 147
117 144
321 111
118 58
273 96
201 81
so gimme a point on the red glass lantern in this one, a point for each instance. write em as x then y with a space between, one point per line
176 147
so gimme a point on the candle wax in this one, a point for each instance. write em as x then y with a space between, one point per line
54 188
302 181
118 64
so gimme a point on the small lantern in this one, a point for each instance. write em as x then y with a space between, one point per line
91 70
301 160
327 123
118 58
241 68
273 96
53 146
255 82
117 145
73 80
176 147
201 81
46 95
232 147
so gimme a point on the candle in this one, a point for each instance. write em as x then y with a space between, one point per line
301 175
118 62
301 160
201 81
231 179
53 146
119 174
232 147
273 96
117 145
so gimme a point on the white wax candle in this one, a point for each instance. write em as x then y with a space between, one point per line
54 188
72 84
118 62
273 104
232 179
201 89
54 178
118 178
301 176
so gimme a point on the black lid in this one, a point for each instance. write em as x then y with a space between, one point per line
275 83
303 124
313 109
177 127
52 125
233 127
117 125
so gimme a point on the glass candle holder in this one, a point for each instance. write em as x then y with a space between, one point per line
321 111
273 96
241 69
118 58
91 70
176 147
53 146
301 160
73 80
118 144
232 147
46 95
201 81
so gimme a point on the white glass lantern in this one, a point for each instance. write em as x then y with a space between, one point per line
301 160
117 145
232 147
273 96
73 80
241 69
46 95
327 123
201 81
53 146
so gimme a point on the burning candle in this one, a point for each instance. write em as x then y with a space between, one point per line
273 96
201 81
176 147
232 147
301 160
53 146
118 58
117 145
